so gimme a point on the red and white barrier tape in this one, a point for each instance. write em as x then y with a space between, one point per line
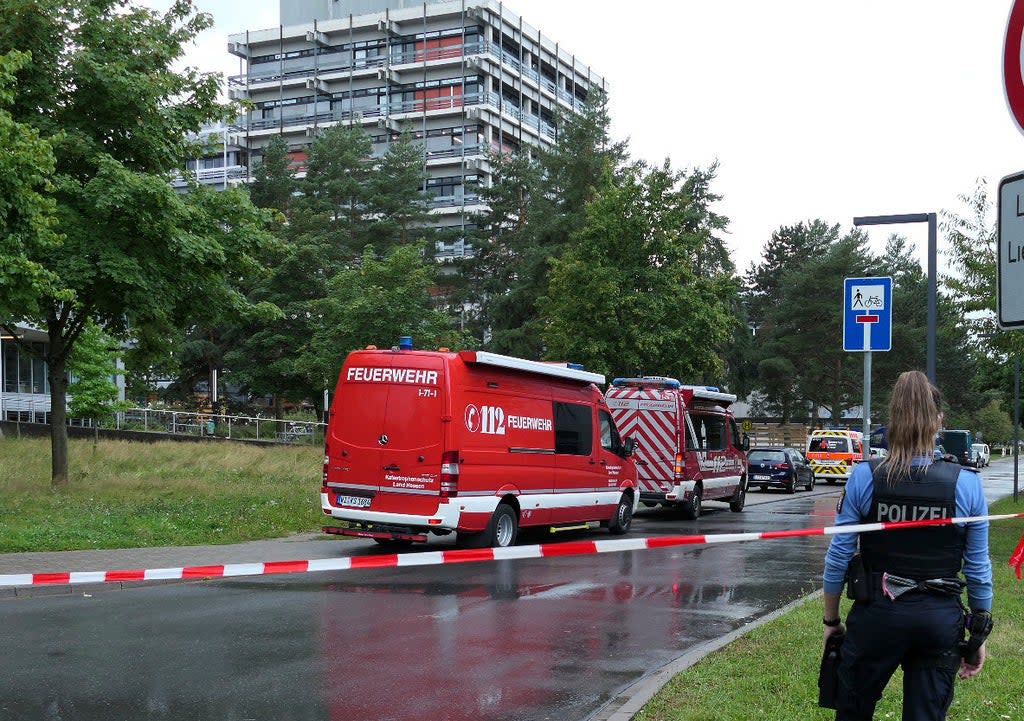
433 558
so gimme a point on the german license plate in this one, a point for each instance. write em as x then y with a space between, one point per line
355 501
762 478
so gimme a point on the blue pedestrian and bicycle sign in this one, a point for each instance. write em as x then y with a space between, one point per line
867 314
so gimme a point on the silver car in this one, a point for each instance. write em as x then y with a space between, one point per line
980 455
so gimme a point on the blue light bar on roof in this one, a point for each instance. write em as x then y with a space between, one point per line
647 382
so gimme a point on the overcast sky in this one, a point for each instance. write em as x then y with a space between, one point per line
812 108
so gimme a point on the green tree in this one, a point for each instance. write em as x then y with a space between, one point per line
273 184
536 205
136 255
346 200
93 366
794 299
396 198
971 287
910 320
375 304
333 198
787 250
627 296
27 210
994 424
972 258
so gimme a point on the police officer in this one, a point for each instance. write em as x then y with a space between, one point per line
907 582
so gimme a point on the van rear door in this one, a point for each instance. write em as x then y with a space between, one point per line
651 416
387 429
413 439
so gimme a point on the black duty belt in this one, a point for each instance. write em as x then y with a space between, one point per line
893 586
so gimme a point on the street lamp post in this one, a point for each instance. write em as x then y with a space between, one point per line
931 219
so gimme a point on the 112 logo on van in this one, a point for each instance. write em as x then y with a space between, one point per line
489 420
492 421
714 465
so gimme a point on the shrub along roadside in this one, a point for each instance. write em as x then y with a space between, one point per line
128 495
771 674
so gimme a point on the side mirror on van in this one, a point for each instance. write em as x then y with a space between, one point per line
745 444
629 447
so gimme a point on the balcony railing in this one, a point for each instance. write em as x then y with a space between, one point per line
343 64
454 201
453 102
212 176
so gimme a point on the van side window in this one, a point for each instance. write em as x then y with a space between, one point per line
714 432
693 442
610 440
574 429
737 441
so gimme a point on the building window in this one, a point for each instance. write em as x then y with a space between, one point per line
24 372
10 379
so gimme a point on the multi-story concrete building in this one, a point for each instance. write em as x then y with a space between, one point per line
464 77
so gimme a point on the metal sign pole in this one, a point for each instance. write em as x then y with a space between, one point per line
867 405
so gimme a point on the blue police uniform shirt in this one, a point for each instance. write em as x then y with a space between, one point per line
970 501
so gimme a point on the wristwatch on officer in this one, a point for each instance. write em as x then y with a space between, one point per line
832 622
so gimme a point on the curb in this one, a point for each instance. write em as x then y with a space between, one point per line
632 699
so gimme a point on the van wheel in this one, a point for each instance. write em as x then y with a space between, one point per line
502 531
691 510
623 517
504 527
740 499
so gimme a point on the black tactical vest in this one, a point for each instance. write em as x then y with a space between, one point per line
917 553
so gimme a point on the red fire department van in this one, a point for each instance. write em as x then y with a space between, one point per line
688 446
482 444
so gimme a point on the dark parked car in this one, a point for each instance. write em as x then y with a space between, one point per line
777 467
958 444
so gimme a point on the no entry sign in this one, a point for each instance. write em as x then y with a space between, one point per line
1013 76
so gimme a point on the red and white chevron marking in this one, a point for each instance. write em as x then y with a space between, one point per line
653 428
435 558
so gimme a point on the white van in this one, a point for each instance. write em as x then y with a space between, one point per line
834 453
980 455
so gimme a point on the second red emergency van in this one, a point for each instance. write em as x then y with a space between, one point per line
688 446
422 442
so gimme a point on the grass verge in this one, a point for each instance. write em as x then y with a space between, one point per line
771 674
131 495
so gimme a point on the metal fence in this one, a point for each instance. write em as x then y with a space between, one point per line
193 423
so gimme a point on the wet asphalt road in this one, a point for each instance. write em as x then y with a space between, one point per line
534 639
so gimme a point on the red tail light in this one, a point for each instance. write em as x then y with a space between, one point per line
327 459
679 470
782 466
449 474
